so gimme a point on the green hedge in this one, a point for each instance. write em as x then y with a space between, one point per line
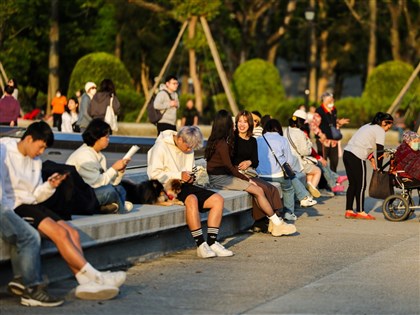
385 83
257 86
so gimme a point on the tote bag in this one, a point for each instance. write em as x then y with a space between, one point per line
110 116
380 185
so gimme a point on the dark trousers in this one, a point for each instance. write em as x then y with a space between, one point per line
57 121
356 173
271 193
164 126
329 153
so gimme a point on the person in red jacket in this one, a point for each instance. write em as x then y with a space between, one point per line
407 156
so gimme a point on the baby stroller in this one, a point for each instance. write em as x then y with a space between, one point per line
400 205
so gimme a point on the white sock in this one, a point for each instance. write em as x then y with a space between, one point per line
86 274
275 219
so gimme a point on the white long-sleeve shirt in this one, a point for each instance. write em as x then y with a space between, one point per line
91 166
20 177
165 161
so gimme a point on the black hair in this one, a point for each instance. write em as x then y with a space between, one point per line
222 129
9 89
40 130
255 112
96 129
66 107
264 120
107 86
295 121
273 125
170 77
380 117
15 85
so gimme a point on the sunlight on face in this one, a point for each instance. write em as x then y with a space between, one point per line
243 124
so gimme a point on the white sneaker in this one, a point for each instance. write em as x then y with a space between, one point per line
220 250
290 216
115 279
128 206
282 229
96 291
312 189
204 251
307 202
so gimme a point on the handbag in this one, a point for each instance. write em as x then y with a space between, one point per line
380 186
288 172
335 133
75 127
110 116
250 172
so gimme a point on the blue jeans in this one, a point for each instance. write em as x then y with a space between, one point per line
330 176
287 190
109 193
300 189
25 245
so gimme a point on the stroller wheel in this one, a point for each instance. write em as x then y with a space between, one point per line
396 208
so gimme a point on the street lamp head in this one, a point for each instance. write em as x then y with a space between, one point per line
309 14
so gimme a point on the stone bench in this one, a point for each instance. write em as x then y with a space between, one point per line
145 233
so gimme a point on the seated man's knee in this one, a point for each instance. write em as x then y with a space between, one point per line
191 201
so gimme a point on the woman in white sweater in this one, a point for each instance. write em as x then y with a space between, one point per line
301 147
91 165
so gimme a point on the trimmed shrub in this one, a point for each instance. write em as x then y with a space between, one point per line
384 85
354 109
257 86
98 66
131 104
286 109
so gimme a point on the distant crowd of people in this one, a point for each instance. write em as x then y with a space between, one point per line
247 153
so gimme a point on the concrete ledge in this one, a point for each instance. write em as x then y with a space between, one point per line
147 232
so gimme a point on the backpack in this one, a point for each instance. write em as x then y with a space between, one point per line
155 115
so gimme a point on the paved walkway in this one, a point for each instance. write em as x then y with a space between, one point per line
332 266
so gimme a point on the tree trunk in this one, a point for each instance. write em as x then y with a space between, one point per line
193 66
313 52
144 75
273 41
372 37
326 67
53 62
395 12
118 43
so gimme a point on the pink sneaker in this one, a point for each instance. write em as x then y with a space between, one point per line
341 179
338 189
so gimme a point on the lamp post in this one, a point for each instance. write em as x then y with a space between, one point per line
309 16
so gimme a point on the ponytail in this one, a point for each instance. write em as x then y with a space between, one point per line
380 117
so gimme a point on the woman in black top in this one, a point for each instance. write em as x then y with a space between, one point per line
245 156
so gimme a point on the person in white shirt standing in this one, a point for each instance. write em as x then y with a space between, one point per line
359 149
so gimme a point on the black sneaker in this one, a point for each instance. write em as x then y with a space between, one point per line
260 226
16 286
109 208
37 296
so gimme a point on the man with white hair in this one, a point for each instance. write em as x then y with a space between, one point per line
84 118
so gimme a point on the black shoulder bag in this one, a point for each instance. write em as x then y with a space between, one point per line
288 172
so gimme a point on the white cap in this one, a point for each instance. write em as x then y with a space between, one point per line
300 114
89 85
